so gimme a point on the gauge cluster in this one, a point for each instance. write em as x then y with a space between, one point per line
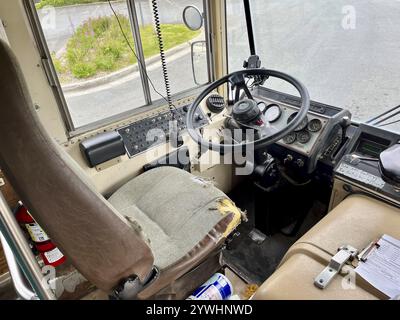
316 139
305 136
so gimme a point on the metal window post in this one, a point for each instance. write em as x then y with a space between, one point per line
139 50
208 36
47 63
218 41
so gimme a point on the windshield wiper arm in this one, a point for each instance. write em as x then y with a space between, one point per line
389 124
387 115
381 123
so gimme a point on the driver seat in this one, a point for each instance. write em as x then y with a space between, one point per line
159 236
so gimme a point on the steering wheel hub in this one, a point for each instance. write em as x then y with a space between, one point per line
246 111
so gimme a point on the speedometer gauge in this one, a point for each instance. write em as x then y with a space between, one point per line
272 113
290 138
303 137
302 125
315 125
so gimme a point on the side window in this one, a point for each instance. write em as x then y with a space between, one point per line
177 43
106 54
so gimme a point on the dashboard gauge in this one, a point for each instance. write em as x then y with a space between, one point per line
290 138
303 136
302 125
272 113
315 125
262 106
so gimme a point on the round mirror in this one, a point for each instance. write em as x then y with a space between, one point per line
192 18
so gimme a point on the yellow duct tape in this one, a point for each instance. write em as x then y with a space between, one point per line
226 207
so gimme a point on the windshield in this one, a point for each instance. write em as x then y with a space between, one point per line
347 53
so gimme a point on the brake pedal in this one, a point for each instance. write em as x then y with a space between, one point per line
257 236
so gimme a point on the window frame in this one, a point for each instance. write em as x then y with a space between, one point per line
53 80
227 42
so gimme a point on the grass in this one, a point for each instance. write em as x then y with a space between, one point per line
98 46
61 3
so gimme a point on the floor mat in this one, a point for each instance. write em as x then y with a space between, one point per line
255 262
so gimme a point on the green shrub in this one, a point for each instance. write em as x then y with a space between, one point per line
99 46
58 65
83 70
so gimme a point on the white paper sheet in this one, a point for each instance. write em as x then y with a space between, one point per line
382 269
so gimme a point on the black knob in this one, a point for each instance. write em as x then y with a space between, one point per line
215 103
199 117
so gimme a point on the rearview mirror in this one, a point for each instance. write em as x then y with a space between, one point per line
193 18
199 62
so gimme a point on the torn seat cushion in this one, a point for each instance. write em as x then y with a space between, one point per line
357 221
183 217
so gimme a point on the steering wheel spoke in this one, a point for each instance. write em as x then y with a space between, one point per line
263 130
238 83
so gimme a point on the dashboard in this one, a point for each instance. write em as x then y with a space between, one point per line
358 171
318 137
304 138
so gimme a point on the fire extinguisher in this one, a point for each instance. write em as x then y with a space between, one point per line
48 251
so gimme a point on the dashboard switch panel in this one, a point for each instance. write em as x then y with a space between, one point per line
142 135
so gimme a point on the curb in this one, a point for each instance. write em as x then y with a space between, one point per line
84 4
83 85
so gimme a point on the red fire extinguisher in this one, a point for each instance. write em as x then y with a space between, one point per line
50 254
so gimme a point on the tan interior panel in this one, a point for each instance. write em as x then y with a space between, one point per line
357 221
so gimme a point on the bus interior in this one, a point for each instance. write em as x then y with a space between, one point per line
146 145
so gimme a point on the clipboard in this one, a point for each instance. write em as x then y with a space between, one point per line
364 255
379 265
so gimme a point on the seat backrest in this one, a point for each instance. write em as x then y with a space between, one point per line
99 242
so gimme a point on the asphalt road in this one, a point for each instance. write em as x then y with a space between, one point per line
356 68
117 97
58 28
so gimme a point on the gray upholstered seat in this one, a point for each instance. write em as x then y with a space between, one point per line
185 220
174 209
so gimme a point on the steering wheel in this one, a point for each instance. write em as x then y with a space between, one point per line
237 80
